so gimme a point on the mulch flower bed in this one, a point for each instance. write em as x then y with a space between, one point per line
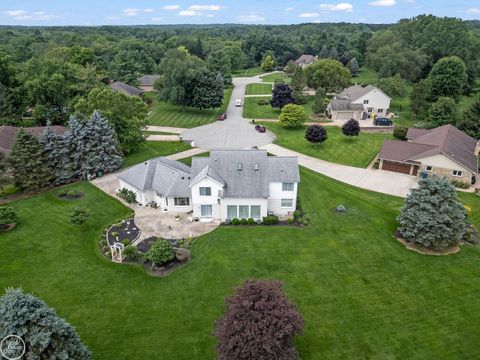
70 195
165 268
7 227
410 246
126 230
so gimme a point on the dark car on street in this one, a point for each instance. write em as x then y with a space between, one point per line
222 116
260 128
382 122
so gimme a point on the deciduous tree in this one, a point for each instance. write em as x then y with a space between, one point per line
281 95
394 86
470 123
268 62
351 128
448 77
316 134
208 90
327 73
443 111
292 116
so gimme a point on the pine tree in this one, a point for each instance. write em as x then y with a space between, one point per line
333 54
324 53
28 162
208 90
353 66
46 335
470 123
433 216
298 83
52 144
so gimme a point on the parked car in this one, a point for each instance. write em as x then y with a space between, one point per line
238 102
222 116
260 128
382 122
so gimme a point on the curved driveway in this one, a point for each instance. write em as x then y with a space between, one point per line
235 132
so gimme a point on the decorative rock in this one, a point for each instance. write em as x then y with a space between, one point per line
341 209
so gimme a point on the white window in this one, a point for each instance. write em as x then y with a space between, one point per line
287 186
370 110
365 101
255 212
457 173
206 210
428 168
181 201
231 211
287 203
243 212
205 191
380 111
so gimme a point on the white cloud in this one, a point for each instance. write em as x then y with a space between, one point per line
24 15
289 9
383 3
157 19
337 7
308 15
113 17
148 10
250 18
189 13
130 12
204 8
474 11
171 7
15 12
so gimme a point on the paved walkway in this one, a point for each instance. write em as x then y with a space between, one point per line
165 129
163 138
385 182
235 132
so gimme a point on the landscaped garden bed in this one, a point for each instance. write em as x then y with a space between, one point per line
125 232
72 194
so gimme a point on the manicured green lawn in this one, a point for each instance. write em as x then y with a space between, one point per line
338 148
277 76
258 89
361 293
247 72
165 114
253 110
152 149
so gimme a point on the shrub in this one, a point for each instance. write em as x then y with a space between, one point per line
103 242
400 133
243 221
108 253
263 331
263 102
297 214
182 254
235 221
433 216
460 184
127 195
289 221
62 192
185 243
160 252
119 225
79 215
270 220
126 242
251 221
131 253
105 248
7 216
72 193
114 234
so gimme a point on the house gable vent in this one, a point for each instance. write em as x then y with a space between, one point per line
239 166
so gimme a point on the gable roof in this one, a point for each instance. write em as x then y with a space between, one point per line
166 177
344 105
306 59
446 140
126 89
7 135
357 91
148 80
252 178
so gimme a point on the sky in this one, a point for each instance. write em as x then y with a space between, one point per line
140 12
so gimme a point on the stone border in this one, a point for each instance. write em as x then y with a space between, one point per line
413 248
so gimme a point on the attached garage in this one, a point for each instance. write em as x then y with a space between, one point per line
400 167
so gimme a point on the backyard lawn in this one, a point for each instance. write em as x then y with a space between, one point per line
253 110
279 75
258 89
152 149
362 294
358 151
165 114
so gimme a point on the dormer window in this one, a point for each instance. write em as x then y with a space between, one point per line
287 186
365 101
239 166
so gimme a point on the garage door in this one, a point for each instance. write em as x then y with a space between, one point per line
397 167
345 115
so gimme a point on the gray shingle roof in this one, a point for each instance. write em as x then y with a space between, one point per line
166 177
8 133
356 91
148 80
344 105
247 182
306 59
126 89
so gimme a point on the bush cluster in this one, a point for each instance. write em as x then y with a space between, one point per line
7 216
460 184
270 220
127 195
160 252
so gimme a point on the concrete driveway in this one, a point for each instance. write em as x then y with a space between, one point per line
381 181
233 133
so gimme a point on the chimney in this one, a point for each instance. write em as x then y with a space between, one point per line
239 166
255 167
477 148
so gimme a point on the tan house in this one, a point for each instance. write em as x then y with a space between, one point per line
126 89
444 151
8 133
305 60
146 82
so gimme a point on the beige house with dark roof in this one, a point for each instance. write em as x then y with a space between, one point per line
146 82
444 151
8 133
305 60
125 89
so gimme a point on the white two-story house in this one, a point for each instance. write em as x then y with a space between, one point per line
359 102
226 185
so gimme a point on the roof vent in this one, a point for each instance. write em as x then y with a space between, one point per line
239 166
255 167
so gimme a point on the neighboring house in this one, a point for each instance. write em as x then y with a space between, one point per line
146 82
359 102
305 60
7 135
228 184
126 89
444 151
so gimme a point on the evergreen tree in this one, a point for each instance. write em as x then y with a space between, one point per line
470 123
46 335
324 53
298 83
208 90
320 102
333 54
281 95
53 146
433 216
353 66
28 162
443 111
